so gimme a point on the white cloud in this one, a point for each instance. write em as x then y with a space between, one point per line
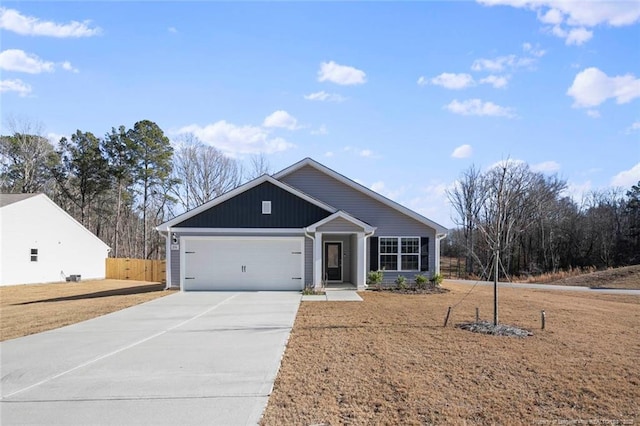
172 30
463 151
432 202
18 60
593 113
381 188
501 63
66 65
479 108
452 81
324 96
341 74
367 153
634 127
546 167
234 140
627 178
54 138
281 119
422 81
12 20
578 16
329 154
17 85
578 191
322 130
533 50
591 87
497 81
578 36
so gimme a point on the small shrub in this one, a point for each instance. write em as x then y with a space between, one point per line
375 277
401 282
437 279
420 280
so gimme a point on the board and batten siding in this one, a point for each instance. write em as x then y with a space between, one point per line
388 221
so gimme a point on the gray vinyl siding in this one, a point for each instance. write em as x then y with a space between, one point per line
339 225
308 262
175 254
388 221
175 268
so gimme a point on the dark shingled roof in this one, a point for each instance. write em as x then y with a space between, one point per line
6 199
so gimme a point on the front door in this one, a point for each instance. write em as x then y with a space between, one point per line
333 261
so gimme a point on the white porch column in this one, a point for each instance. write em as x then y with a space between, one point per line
361 274
437 256
317 260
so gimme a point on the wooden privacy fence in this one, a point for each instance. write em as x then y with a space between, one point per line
136 269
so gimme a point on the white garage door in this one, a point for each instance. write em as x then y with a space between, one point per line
243 263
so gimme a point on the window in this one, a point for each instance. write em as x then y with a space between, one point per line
266 207
34 255
399 253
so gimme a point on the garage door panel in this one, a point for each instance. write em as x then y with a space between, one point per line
243 264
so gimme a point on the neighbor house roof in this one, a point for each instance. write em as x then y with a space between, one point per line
345 180
6 199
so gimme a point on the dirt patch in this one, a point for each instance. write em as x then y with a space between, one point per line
627 277
388 360
29 309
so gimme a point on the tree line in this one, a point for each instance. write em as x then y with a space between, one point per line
520 222
123 184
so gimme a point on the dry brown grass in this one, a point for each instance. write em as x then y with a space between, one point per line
388 360
29 309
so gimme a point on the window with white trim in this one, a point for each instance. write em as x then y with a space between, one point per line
266 207
399 253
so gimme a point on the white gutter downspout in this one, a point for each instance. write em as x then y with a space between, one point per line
439 237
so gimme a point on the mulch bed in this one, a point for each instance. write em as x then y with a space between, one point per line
411 290
485 327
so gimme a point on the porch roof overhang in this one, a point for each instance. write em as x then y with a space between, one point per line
368 229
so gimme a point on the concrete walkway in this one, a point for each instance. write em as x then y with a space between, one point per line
189 358
550 287
334 295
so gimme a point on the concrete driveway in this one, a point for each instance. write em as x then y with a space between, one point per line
188 358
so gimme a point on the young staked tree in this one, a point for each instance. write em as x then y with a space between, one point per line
152 169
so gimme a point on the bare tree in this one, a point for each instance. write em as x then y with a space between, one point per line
258 166
467 197
203 173
24 156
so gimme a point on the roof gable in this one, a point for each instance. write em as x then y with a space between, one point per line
341 216
207 216
29 199
308 162
7 199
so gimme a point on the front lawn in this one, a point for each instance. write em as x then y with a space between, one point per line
388 360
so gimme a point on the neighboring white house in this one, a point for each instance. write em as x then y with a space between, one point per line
41 243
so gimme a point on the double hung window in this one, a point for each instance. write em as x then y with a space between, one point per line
399 253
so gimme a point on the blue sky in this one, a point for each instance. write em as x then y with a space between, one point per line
401 97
